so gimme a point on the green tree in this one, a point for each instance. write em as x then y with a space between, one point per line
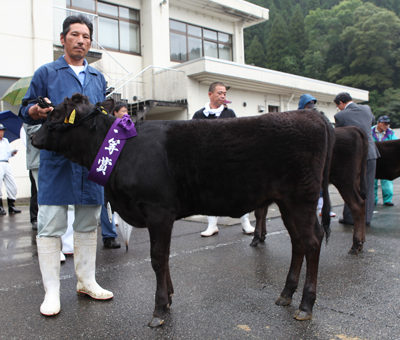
387 103
277 46
391 5
374 49
326 57
298 40
312 5
255 54
286 9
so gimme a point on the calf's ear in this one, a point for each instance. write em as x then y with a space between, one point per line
108 104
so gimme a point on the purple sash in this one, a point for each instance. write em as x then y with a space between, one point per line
106 158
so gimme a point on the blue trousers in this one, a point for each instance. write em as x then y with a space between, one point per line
387 190
107 229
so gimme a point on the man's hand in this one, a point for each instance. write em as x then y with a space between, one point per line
36 112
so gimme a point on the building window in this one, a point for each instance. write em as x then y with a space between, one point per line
117 26
189 42
273 108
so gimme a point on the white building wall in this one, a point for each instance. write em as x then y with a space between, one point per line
26 37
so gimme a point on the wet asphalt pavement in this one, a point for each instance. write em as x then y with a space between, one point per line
224 289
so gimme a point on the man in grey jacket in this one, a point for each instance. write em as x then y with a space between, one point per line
359 115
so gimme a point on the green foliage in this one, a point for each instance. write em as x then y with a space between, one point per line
255 54
298 40
312 5
277 44
387 103
374 43
351 42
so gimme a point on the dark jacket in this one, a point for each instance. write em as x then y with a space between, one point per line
226 113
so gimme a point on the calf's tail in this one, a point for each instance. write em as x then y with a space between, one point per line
364 160
326 209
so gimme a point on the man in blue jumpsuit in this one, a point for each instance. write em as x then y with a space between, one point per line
62 182
380 133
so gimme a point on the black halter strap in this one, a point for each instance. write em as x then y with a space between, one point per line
40 101
61 127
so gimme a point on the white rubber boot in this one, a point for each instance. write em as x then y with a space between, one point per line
320 203
212 227
49 261
246 226
85 246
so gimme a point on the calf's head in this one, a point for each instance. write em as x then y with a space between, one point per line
68 124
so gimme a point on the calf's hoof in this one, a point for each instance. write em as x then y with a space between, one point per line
156 322
283 301
254 244
169 300
355 250
301 315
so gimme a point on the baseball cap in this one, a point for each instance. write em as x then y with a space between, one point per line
384 119
2 127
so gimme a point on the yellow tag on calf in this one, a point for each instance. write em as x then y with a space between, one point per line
104 110
72 117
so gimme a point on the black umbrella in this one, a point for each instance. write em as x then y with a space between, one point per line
12 124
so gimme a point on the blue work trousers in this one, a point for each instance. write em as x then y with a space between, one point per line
387 190
107 229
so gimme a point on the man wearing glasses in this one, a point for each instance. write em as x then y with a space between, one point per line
359 115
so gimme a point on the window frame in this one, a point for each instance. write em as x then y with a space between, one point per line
70 5
202 38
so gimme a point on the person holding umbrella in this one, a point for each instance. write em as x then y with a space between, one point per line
6 175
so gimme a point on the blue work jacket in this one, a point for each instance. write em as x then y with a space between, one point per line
62 182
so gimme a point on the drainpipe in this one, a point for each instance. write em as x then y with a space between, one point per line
290 99
265 104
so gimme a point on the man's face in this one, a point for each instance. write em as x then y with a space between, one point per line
341 106
217 98
382 126
1 134
77 41
122 111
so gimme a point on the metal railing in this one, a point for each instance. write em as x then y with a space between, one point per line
153 83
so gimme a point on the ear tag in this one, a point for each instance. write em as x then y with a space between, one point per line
103 110
72 117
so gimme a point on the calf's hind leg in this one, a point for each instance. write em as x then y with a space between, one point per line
306 236
160 240
357 207
261 228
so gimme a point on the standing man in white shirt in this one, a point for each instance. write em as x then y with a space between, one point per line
6 175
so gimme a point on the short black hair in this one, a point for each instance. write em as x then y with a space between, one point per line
119 106
343 97
214 85
77 19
